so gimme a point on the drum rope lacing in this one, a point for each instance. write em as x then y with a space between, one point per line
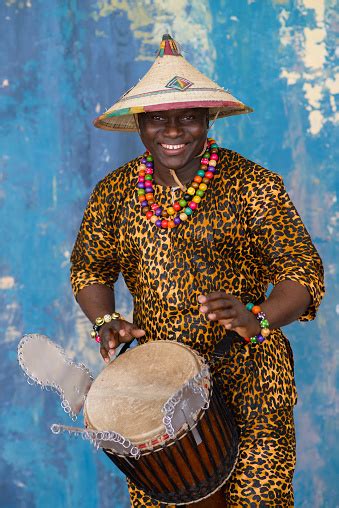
171 404
97 437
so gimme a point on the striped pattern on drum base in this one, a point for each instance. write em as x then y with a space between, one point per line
183 471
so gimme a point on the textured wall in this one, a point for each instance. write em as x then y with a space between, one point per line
61 64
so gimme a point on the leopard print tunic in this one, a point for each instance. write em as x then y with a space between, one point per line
245 235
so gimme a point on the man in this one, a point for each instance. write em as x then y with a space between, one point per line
199 233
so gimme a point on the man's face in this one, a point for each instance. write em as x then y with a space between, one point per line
174 137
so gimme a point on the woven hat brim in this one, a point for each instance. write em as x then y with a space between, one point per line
170 83
123 120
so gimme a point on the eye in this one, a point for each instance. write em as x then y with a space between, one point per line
188 117
157 118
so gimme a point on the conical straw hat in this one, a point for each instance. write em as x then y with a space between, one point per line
171 83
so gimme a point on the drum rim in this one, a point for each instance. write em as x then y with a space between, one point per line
159 433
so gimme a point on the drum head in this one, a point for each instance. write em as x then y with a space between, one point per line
128 395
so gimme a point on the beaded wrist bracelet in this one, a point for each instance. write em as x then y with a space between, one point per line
101 321
263 322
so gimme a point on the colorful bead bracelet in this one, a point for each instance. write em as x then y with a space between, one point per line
101 321
263 322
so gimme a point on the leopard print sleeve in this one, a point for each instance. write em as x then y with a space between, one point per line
280 237
94 259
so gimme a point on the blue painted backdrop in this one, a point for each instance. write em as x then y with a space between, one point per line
61 64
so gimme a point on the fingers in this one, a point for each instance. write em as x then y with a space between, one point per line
216 295
114 333
219 314
130 331
230 312
219 306
104 353
109 342
229 324
224 308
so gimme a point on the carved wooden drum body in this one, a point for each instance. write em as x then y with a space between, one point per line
160 397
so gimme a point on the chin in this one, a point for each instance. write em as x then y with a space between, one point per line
174 162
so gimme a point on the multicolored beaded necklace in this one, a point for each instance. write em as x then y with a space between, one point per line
180 211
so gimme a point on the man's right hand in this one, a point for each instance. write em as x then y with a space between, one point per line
114 333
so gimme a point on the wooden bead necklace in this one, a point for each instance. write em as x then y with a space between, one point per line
182 209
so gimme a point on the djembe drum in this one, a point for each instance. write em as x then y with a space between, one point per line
161 398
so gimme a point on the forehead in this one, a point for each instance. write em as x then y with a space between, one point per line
199 112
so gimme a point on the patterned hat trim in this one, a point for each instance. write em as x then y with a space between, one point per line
168 46
172 105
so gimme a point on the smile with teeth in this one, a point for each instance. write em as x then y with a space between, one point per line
172 147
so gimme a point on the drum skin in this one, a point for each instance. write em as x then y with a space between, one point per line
129 393
196 462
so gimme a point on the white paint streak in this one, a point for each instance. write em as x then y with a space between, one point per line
285 33
5 83
12 334
332 270
101 33
317 121
106 156
11 314
310 64
54 192
83 343
7 282
313 94
66 255
19 484
291 76
333 84
318 6
150 20
19 3
314 48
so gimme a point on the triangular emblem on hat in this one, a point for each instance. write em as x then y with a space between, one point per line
178 83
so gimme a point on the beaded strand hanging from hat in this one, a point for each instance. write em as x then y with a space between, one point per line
181 210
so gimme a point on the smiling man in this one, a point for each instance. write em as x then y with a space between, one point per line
199 233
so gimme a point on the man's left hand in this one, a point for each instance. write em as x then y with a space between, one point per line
230 312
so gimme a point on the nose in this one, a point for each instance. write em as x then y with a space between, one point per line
172 128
